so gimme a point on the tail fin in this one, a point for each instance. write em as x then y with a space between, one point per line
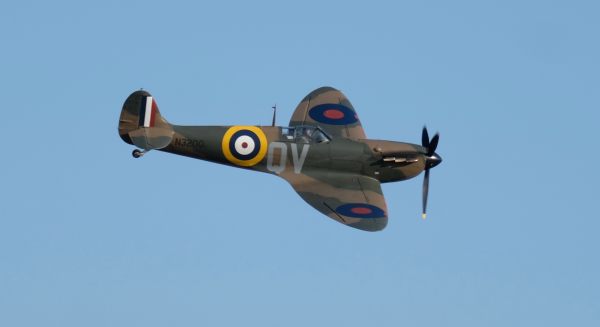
141 124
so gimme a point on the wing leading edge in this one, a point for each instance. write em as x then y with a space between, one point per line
353 200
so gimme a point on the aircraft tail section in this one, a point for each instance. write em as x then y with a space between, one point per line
141 123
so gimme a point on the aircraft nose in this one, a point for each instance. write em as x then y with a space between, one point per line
433 160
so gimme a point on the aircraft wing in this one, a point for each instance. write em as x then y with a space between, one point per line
351 199
330 109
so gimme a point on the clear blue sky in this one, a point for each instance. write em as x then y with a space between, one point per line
90 236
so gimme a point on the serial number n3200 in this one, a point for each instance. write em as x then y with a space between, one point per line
188 143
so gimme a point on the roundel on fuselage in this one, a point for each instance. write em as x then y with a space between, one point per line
244 145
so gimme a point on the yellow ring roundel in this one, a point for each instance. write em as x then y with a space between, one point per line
244 145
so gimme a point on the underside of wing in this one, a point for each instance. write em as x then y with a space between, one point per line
353 200
330 109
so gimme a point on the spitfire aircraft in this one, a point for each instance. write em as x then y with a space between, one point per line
323 153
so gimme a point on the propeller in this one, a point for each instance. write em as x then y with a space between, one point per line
432 159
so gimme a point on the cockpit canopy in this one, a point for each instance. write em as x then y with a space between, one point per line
305 134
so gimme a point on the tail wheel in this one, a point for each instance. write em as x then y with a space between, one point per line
137 153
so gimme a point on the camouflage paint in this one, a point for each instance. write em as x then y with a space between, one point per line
340 178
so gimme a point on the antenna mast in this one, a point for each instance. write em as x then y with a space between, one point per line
274 114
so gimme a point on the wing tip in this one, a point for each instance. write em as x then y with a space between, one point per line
371 225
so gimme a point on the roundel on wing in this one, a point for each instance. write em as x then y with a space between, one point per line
333 114
244 145
360 210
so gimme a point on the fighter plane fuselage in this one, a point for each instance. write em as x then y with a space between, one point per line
293 153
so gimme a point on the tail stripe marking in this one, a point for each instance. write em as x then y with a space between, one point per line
142 114
153 114
148 111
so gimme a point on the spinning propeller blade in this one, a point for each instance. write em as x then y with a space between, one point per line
425 193
432 159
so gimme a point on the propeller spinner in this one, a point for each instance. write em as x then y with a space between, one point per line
432 159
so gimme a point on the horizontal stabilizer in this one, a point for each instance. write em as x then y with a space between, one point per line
151 138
